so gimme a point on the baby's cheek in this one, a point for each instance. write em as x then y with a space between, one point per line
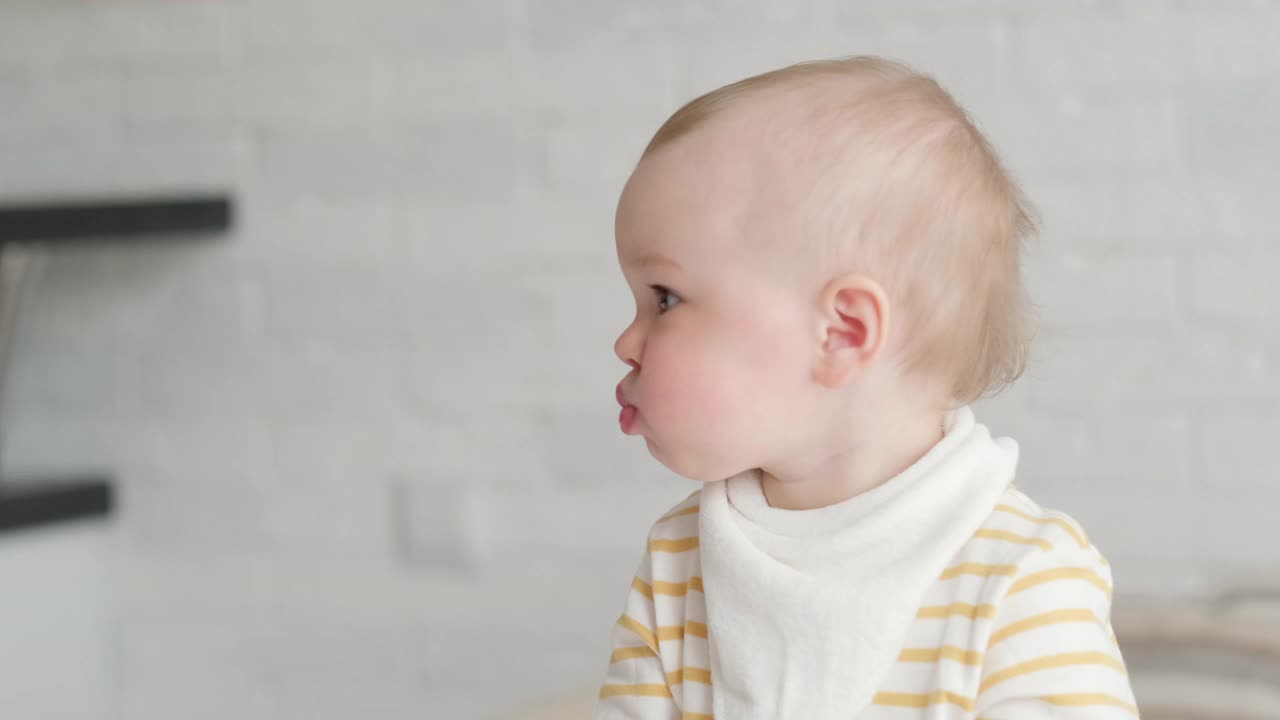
695 384
718 392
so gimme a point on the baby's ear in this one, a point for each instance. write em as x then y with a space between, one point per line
853 322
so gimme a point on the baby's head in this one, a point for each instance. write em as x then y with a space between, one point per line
846 248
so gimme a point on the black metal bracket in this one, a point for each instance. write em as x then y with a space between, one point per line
80 220
33 501
37 502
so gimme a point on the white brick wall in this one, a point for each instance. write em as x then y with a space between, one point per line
412 321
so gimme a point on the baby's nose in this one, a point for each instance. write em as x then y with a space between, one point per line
624 347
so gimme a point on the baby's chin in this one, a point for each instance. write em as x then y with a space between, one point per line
705 472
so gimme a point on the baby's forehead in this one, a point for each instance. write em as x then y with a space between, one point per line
775 162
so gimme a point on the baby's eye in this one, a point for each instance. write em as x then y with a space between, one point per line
662 291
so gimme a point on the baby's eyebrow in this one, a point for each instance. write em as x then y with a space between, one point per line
654 258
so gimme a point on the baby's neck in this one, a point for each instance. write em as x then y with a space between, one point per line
884 448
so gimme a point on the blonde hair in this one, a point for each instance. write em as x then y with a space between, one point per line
907 190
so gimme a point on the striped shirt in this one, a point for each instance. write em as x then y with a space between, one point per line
1017 627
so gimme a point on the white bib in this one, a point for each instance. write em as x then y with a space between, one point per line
807 610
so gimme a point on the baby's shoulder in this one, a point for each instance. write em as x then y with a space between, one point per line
671 558
1021 531
678 523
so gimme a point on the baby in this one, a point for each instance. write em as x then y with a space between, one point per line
825 260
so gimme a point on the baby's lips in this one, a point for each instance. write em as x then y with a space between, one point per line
627 418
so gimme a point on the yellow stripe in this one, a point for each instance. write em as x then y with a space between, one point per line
674 546
1013 537
685 511
1049 618
677 632
642 587
948 652
1078 699
1069 573
628 653
695 716
978 569
678 589
968 610
646 690
1080 537
638 628
692 674
1050 662
916 700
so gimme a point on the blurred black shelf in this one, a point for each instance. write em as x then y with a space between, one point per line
81 219
32 502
